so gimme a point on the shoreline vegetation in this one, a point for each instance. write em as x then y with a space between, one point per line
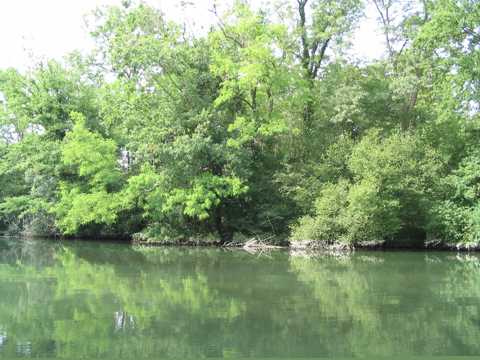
266 130
314 246
254 245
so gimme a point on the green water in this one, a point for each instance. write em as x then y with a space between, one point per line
113 301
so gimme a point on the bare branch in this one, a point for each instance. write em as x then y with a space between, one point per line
222 27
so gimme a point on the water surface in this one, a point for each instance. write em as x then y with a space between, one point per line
113 301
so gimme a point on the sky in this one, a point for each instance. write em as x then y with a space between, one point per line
31 30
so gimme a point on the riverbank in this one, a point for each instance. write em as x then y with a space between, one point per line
312 245
268 243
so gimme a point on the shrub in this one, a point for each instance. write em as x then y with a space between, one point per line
388 196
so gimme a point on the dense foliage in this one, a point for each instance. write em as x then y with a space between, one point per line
266 126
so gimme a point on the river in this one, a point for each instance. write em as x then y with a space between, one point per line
91 300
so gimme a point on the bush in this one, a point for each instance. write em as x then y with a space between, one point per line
388 196
325 224
455 218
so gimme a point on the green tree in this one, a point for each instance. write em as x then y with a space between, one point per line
386 197
91 194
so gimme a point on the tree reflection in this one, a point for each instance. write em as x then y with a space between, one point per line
87 300
395 303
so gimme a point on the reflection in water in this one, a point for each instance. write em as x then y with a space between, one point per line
91 300
3 338
123 321
24 348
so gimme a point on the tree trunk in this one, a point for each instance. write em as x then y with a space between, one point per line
223 230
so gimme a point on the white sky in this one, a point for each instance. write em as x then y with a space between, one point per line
35 29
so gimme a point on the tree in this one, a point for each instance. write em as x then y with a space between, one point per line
91 197
386 194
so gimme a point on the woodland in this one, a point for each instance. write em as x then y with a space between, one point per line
266 126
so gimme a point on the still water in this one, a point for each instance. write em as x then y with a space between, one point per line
114 301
